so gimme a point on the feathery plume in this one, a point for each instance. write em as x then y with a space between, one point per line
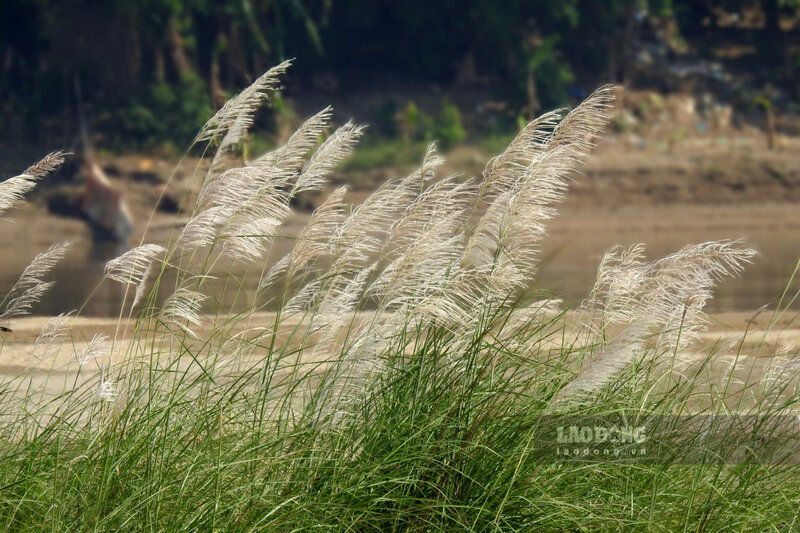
671 291
240 109
421 269
292 155
584 124
680 286
253 224
340 298
201 230
30 287
142 286
47 164
237 185
504 171
95 349
431 161
13 190
362 234
41 265
523 317
132 267
181 307
305 298
526 180
315 240
230 141
431 207
781 370
276 271
21 305
606 364
54 330
106 390
333 151
621 275
515 222
664 299
243 208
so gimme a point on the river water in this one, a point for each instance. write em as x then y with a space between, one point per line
570 255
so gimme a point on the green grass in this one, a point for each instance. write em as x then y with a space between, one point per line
445 437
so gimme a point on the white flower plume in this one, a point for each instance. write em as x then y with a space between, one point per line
132 267
13 190
30 287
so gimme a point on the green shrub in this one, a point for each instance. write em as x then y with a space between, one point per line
162 114
449 130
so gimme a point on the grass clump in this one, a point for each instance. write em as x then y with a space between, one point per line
395 372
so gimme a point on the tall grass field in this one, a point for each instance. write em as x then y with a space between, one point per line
396 371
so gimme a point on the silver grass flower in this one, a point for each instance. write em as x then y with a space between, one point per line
13 190
337 304
106 390
522 184
54 332
47 164
316 239
421 269
241 108
21 305
430 163
606 364
276 272
680 284
181 308
584 124
330 153
242 208
781 370
665 300
253 224
621 275
514 224
230 140
305 299
30 287
141 288
238 185
292 155
362 235
432 207
132 267
523 317
96 348
201 230
504 171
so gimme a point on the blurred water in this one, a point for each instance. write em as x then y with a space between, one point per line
573 251
570 257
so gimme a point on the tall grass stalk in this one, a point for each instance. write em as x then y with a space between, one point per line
394 372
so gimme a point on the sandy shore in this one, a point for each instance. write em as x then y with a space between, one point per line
760 335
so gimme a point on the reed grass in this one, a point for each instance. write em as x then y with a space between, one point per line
395 371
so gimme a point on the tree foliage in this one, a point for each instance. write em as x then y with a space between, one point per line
537 51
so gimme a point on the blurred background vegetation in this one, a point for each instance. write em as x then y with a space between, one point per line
151 71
